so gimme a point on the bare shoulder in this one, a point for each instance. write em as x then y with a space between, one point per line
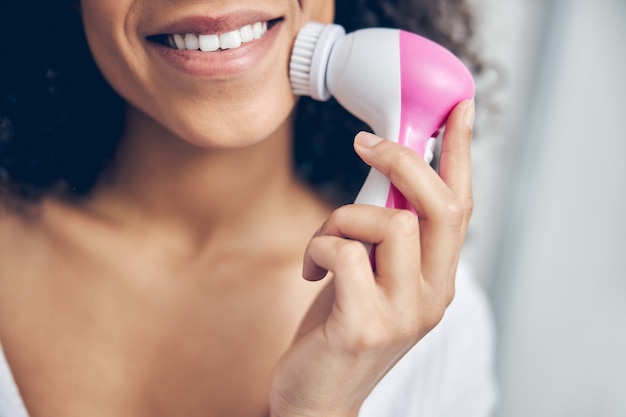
18 238
25 254
32 239
22 250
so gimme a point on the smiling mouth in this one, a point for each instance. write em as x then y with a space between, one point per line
215 42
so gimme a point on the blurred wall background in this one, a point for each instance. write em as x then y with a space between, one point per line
548 238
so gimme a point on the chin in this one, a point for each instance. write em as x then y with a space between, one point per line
238 133
239 129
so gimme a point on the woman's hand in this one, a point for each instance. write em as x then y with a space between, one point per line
367 319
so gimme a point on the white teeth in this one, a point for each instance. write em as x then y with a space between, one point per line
209 43
230 40
191 42
214 42
246 33
179 41
258 29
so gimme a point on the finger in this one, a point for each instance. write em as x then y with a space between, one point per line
455 163
408 171
439 211
455 160
355 287
396 235
310 270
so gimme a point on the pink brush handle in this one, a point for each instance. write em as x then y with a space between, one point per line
433 81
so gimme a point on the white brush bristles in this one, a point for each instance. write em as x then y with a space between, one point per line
309 59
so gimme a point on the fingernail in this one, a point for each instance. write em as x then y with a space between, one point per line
469 114
367 140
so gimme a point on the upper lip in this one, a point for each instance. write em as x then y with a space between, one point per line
210 24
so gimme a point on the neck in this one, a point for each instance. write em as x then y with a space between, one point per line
163 180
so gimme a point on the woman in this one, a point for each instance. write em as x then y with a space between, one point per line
151 251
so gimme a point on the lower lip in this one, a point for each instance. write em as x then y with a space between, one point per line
219 64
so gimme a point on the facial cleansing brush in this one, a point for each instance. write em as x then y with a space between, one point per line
403 86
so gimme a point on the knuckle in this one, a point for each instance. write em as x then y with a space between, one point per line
380 337
450 293
453 212
372 339
405 222
342 216
352 252
337 215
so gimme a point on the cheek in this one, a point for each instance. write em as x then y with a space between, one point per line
105 25
101 20
319 10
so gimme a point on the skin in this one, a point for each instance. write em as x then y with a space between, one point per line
175 289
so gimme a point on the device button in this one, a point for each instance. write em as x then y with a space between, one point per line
429 152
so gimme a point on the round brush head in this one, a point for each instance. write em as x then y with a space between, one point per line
309 59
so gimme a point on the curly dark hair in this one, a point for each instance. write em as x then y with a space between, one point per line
56 94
